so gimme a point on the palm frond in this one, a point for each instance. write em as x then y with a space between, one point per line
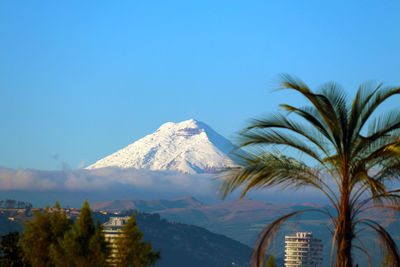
364 94
373 185
385 159
387 243
390 166
280 121
385 125
387 200
338 99
321 103
278 138
269 170
364 250
312 116
373 101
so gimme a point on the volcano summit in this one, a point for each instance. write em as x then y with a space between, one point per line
190 147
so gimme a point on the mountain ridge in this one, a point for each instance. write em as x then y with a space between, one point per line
242 220
152 205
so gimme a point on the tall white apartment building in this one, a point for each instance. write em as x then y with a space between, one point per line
112 230
303 250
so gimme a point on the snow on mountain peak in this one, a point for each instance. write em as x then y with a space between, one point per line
190 146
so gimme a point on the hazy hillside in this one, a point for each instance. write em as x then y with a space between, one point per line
238 219
243 220
147 205
188 245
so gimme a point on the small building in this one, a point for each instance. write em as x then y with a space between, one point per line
112 229
303 250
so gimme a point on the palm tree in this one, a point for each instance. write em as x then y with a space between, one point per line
350 156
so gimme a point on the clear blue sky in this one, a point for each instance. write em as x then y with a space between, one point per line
81 79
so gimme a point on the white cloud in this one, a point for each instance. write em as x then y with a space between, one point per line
103 179
115 183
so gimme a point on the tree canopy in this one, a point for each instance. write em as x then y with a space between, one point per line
132 250
52 239
11 254
271 261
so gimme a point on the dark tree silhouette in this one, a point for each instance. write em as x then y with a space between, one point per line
131 250
10 251
271 261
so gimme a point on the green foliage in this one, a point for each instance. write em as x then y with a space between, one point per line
82 233
345 150
61 227
271 261
99 248
42 239
10 251
37 240
85 245
51 239
131 250
61 254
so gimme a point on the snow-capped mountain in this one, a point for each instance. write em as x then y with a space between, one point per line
190 147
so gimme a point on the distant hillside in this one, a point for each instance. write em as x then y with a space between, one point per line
243 220
238 219
147 205
188 245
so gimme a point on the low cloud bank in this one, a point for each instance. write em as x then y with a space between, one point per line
72 186
104 179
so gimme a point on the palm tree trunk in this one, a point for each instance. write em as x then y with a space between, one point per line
345 233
